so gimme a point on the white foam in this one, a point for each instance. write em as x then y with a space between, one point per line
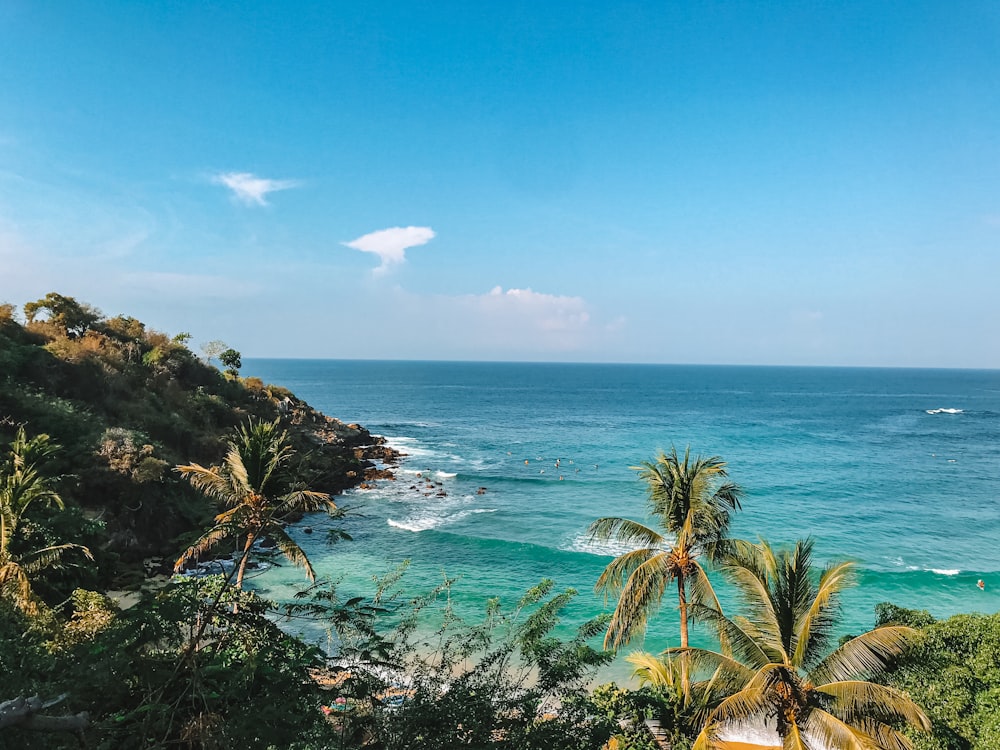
408 445
600 547
415 526
944 411
945 571
427 522
445 474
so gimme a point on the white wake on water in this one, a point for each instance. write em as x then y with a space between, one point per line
944 411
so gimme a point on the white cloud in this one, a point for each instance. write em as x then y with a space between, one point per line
250 189
390 245
547 312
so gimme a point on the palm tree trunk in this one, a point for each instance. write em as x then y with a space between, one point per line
683 608
241 571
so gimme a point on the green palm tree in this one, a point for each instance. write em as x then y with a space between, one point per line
692 504
24 482
782 673
253 487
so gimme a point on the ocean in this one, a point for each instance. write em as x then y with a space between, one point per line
895 469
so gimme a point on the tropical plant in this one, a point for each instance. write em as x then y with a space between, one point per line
416 676
692 505
24 482
781 674
257 495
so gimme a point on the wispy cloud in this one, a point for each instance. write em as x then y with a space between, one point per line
390 245
249 188
547 312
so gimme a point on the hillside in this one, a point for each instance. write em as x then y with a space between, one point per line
127 404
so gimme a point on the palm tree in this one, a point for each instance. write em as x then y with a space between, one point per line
254 489
24 482
782 674
692 505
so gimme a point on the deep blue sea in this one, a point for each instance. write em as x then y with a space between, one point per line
851 457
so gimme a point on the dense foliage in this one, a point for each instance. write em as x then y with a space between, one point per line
118 443
954 674
127 404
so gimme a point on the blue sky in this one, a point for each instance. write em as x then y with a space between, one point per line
711 182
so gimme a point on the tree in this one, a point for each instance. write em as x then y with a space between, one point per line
213 349
66 312
692 506
24 482
257 495
780 673
231 359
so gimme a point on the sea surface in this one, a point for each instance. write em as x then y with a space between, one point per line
895 469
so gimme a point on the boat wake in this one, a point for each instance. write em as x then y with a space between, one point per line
944 411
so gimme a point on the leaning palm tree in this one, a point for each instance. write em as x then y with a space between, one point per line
24 482
253 487
783 676
692 504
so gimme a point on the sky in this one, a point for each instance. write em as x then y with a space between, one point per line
785 183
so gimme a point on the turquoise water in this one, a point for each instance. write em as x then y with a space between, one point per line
848 456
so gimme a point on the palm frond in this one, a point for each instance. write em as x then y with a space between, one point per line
304 501
207 481
794 740
750 569
746 646
866 655
206 542
752 702
639 598
14 585
625 531
813 631
654 670
288 547
726 673
613 577
48 557
831 731
856 701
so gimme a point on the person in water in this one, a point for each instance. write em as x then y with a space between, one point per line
981 585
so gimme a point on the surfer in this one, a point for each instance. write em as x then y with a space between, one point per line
981 585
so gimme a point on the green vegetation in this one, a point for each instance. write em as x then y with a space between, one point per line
954 674
164 455
126 404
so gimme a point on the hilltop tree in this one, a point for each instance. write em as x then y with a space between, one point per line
231 359
213 349
75 318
